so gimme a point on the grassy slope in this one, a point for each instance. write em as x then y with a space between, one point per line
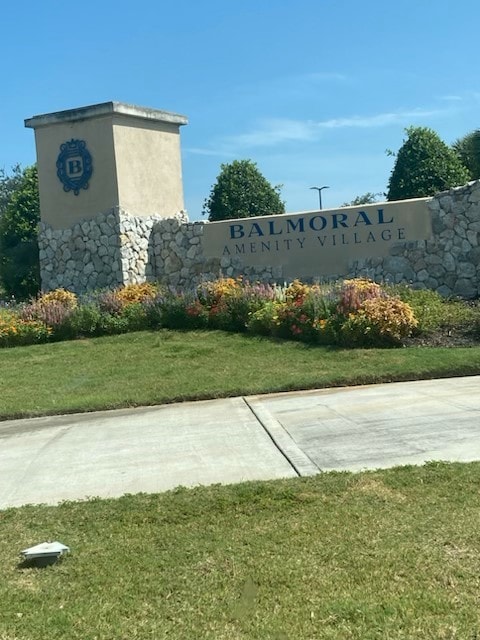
166 366
391 554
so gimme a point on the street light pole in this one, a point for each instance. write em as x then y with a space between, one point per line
319 189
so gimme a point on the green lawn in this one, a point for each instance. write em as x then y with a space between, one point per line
165 366
380 555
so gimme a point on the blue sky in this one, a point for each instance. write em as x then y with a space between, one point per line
313 91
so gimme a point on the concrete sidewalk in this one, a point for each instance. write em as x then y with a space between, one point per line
47 460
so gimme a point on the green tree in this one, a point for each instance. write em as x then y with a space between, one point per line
8 185
424 166
366 198
468 150
241 191
19 261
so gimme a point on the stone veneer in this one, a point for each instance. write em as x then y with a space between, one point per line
116 248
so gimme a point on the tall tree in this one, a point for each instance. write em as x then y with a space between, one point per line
8 185
241 191
19 260
424 166
468 150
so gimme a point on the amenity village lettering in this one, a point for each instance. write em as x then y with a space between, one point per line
324 230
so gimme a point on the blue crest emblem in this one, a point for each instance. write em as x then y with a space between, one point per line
74 166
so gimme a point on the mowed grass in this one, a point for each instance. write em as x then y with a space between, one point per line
166 366
392 554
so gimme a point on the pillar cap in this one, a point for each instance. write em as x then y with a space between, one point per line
103 109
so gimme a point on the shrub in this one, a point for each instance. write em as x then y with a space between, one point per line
87 320
262 321
177 311
296 291
53 309
353 293
14 331
132 293
434 312
378 322
230 301
297 322
231 313
210 293
66 298
109 302
306 313
135 317
233 308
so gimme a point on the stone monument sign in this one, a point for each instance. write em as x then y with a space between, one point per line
319 243
111 201
104 156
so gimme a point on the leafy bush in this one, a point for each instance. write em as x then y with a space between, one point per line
177 311
434 312
231 313
54 310
353 293
306 318
62 296
230 302
109 302
263 321
135 317
297 290
14 331
378 322
133 293
87 320
303 314
210 293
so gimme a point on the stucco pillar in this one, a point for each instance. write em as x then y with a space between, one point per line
98 165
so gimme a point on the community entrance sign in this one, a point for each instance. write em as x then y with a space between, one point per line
319 243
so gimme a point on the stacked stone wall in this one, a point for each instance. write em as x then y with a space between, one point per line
116 248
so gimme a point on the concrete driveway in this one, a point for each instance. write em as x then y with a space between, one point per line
151 449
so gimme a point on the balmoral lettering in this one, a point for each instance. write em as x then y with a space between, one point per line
256 230
236 231
318 222
342 221
381 220
362 216
313 224
271 226
299 225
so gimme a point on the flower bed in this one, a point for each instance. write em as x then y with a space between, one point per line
349 313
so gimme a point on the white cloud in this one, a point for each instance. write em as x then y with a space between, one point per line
272 131
378 120
201 151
